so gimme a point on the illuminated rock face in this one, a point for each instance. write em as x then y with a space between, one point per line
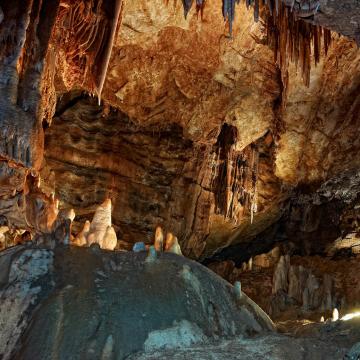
99 230
178 85
202 134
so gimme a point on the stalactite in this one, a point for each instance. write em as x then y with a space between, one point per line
228 10
235 182
86 35
110 45
187 4
256 11
294 39
254 176
200 5
290 37
1 15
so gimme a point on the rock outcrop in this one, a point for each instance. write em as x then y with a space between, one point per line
173 302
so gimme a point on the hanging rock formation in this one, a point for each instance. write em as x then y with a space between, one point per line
235 129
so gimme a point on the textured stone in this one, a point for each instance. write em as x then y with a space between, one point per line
90 296
281 273
234 134
21 294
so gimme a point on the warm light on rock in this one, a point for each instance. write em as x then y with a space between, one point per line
155 152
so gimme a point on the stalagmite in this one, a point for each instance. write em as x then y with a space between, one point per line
237 289
244 266
280 278
327 301
159 239
169 240
100 230
100 221
80 240
311 295
91 239
108 350
64 220
52 214
335 315
250 264
139 246
174 246
152 255
322 319
109 240
2 241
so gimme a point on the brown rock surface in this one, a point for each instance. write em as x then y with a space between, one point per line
197 132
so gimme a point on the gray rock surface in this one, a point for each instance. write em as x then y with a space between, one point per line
103 304
26 270
353 353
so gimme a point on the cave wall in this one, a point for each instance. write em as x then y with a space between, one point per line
173 85
153 174
149 172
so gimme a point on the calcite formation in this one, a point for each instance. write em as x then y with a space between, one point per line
202 134
159 239
99 230
307 287
239 139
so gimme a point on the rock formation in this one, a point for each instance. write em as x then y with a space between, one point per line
109 240
233 124
99 230
281 275
241 155
74 294
172 246
81 238
159 239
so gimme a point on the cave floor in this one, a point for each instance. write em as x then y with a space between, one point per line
302 340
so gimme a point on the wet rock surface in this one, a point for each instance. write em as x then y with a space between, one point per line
116 302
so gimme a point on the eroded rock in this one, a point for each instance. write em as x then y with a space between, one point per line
80 303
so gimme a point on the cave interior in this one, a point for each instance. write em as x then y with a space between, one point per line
179 179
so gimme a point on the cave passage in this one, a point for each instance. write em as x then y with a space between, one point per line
179 179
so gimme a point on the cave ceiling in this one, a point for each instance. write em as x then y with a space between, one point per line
202 131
